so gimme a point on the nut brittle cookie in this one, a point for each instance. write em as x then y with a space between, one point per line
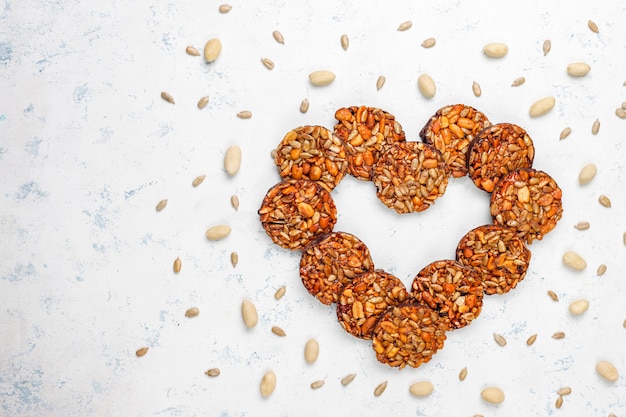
332 261
528 201
295 212
450 130
498 254
365 131
312 152
363 299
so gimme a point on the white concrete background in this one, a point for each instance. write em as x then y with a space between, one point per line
88 148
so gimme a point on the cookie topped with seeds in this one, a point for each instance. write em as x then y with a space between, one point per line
408 334
365 132
454 291
528 201
498 254
332 261
363 299
496 151
450 130
410 176
312 152
295 212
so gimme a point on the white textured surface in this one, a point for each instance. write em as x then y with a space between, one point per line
88 148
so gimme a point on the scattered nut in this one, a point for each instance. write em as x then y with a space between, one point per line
267 63
311 351
621 113
380 82
218 232
167 97
495 49
463 374
607 371
380 388
198 180
595 128
476 89
304 106
141 351
553 295
234 201
531 339
582 226
542 106
268 384
280 293
177 265
244 114
428 43
225 8
604 200
203 102
161 205
492 395
278 331
565 133
588 173
518 81
426 85
232 160
499 339
192 51
547 45
345 42
592 26
574 261
558 335
601 270
321 78
421 389
578 307
192 312
559 402
234 258
564 391
578 69
347 379
212 50
213 372
405 26
278 37
317 384
249 314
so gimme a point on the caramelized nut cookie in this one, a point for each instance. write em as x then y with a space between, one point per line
295 212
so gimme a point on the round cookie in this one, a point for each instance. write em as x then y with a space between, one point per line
332 261
365 132
408 334
313 153
295 212
496 151
450 130
498 254
410 176
454 291
363 299
528 201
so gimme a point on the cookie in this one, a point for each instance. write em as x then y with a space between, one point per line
408 334
498 254
363 299
365 132
313 153
410 176
332 261
454 291
450 130
528 201
496 151
295 212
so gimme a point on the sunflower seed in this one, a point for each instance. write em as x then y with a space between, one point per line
547 45
280 292
321 77
234 201
161 205
624 238
621 113
476 89
492 395
588 173
565 133
192 51
518 81
531 340
592 26
212 49
232 160
553 295
304 106
278 37
141 351
607 371
167 97
429 43
542 106
345 42
380 388
213 372
495 49
578 307
405 26
218 232
225 8
499 339
578 69
582 226
268 63
604 200
421 389
624 105
177 265
203 102
564 391
559 402
311 351
624 324
198 180
278 331
558 335
595 128
317 384
426 85
601 270
244 114
249 314
380 82
192 312
268 384
574 261
347 379
463 374
234 258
